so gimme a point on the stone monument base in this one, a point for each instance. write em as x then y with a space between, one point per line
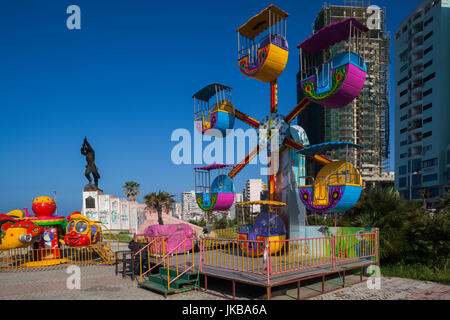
91 187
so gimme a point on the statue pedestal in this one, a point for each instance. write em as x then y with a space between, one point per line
115 213
91 187
91 203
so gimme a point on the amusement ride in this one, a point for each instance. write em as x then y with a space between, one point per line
332 74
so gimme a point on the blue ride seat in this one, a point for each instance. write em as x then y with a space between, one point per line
324 80
275 39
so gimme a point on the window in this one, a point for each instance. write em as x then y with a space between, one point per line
402 170
428 92
403 92
416 165
429 77
428 35
430 163
427 134
403 130
81 227
430 177
428 106
403 68
427 148
428 21
427 50
404 117
402 81
429 63
402 182
427 120
416 179
403 155
433 192
403 143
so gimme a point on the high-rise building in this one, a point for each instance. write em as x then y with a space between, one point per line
253 191
422 102
238 197
189 207
366 120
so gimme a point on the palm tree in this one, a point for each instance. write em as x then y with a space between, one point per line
159 201
397 220
131 190
423 195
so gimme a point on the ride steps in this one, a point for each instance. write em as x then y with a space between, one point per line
105 253
158 281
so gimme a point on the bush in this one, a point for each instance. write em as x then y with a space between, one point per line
417 271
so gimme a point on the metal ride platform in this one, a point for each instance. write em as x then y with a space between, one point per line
298 260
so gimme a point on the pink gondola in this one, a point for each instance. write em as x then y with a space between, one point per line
331 69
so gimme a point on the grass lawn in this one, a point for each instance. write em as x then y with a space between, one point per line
417 272
123 237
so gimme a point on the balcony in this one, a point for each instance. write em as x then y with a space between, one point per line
415 151
415 125
414 143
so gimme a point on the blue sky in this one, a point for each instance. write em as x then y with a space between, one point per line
125 80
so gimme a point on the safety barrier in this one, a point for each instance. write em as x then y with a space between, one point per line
298 254
223 233
281 256
233 254
26 258
356 246
181 262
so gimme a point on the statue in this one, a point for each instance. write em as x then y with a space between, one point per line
87 151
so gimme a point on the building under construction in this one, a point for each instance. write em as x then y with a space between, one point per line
366 120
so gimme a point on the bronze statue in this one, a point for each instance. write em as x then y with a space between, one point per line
87 151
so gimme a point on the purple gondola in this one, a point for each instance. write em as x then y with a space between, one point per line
331 69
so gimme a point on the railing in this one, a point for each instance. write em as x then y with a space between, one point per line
297 254
230 233
27 258
109 238
174 255
233 254
281 256
355 246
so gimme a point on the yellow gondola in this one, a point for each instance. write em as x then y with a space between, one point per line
262 47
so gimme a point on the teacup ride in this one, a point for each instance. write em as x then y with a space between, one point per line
44 209
257 229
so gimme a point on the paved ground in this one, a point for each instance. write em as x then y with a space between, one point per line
392 289
99 282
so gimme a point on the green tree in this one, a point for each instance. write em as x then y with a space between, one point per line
444 203
159 201
131 190
398 220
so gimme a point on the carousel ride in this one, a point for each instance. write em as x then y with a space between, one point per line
332 74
